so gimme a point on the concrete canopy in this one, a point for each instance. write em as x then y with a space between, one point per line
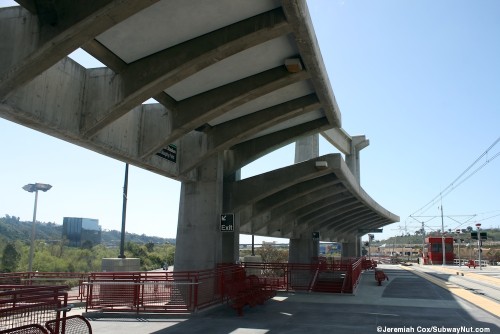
219 79
320 194
231 78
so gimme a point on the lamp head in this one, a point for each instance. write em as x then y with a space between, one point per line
37 186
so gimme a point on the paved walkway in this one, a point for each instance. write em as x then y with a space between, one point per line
416 300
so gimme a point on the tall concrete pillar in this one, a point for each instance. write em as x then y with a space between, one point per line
231 240
351 247
199 239
352 160
304 248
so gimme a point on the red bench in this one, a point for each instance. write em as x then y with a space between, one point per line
369 264
472 263
247 291
380 276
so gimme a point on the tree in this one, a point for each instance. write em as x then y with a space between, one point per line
10 258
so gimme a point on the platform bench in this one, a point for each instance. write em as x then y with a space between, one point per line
248 291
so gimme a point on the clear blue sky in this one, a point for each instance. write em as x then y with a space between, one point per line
419 78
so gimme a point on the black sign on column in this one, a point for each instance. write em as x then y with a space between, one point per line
227 222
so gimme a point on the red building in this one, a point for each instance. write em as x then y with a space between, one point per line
434 250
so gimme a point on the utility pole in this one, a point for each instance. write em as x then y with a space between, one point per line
423 243
442 234
124 214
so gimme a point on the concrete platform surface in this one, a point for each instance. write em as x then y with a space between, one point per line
414 300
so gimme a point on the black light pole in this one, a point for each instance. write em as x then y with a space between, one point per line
124 214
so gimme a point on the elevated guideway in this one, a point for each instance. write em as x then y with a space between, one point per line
231 80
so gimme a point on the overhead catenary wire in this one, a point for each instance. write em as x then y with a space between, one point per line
453 185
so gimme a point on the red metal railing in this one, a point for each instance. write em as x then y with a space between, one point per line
303 277
169 292
26 305
352 276
153 291
74 281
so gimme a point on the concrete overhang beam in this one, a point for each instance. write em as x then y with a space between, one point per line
37 42
253 189
338 205
290 210
297 15
354 232
338 211
224 136
301 221
295 192
263 209
246 152
357 218
364 222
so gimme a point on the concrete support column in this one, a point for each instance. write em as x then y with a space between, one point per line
304 248
199 239
351 247
352 160
231 240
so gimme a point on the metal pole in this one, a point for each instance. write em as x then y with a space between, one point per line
442 235
423 244
369 249
124 214
253 246
33 230
479 246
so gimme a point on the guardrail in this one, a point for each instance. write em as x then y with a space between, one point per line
74 281
166 292
186 292
304 277
27 305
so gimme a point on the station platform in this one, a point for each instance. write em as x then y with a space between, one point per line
416 299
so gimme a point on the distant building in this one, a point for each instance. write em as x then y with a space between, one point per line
81 230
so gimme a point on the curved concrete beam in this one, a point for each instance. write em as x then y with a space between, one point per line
288 210
253 189
297 14
147 77
304 216
340 208
228 134
244 153
36 43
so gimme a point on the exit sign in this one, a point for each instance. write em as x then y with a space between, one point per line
227 222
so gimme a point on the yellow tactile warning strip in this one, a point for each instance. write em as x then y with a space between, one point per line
480 301
492 280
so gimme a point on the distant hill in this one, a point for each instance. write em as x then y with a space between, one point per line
12 228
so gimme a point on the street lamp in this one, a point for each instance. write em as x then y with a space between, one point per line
34 188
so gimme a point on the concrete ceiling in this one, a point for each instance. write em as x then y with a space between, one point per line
215 67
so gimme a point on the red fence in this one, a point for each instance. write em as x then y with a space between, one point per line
170 292
26 305
305 277
76 290
152 291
